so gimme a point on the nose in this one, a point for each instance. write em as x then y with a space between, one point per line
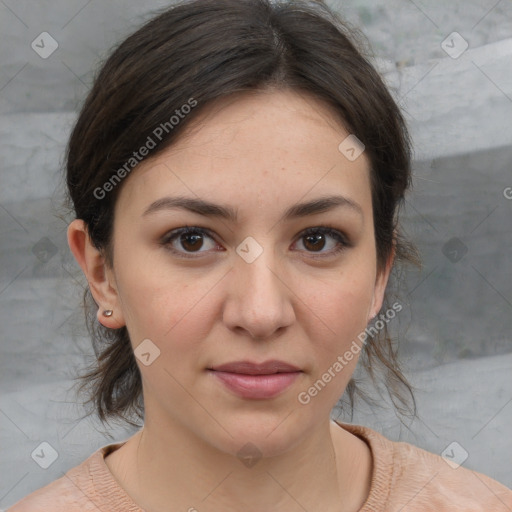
260 300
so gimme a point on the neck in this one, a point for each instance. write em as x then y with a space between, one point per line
327 471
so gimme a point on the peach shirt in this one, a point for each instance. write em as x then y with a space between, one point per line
405 478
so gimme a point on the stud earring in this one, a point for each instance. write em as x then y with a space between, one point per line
108 312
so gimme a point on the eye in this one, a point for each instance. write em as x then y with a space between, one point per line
316 239
188 240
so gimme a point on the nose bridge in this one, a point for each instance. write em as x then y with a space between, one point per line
260 301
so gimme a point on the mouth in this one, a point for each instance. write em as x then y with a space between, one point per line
251 380
250 368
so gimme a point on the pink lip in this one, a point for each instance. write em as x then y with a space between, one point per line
257 381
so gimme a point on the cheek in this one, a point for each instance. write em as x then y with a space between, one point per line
171 308
340 316
345 297
340 312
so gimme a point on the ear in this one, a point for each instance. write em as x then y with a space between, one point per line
381 282
99 275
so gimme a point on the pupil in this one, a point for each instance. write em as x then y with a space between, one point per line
195 244
318 241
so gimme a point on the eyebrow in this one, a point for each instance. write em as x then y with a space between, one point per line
208 209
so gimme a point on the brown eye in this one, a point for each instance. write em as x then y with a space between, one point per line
189 240
316 239
314 242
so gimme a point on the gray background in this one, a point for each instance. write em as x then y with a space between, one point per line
455 327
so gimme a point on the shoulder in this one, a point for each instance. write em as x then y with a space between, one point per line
406 477
76 491
58 495
437 483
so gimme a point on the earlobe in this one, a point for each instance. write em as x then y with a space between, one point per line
107 318
94 267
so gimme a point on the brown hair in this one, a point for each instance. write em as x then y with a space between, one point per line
209 49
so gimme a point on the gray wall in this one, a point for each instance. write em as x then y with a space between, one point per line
455 330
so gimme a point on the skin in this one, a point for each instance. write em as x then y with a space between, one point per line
259 153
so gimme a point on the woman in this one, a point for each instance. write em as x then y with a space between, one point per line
236 173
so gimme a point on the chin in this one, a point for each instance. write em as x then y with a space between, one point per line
268 435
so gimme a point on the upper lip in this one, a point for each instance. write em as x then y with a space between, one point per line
251 368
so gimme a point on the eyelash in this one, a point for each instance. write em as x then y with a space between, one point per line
343 242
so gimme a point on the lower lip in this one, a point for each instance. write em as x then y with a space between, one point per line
257 386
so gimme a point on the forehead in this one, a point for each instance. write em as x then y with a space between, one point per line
265 148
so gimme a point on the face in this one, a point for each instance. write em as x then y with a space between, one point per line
270 281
